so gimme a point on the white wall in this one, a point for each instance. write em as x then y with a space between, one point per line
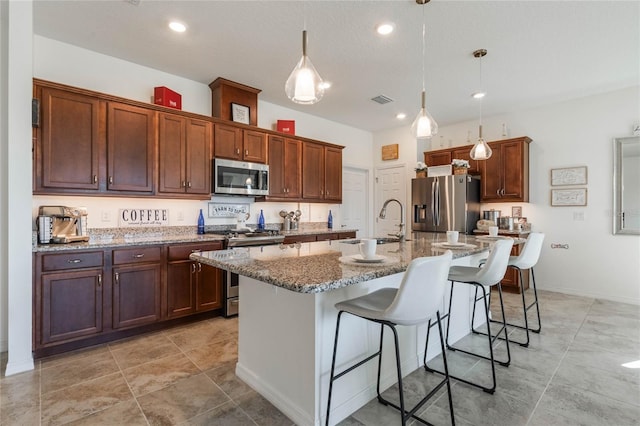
575 133
17 18
4 142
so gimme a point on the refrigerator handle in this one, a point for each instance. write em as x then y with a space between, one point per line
437 201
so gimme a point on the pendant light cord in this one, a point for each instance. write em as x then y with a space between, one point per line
423 47
481 90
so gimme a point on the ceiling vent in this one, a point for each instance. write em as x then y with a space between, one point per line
382 99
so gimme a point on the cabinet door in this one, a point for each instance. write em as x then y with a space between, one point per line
491 180
293 167
71 305
277 168
171 149
438 158
227 142
180 289
513 173
131 140
464 153
198 157
69 141
255 146
209 288
333 174
312 170
136 295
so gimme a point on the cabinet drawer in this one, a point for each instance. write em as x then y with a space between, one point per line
326 237
136 255
299 239
182 252
76 260
346 235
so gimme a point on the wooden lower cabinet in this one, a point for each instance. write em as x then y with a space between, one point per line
191 286
84 297
73 305
136 295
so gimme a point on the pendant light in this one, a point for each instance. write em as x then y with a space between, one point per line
481 150
304 85
424 126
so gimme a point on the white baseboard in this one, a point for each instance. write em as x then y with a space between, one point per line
19 366
574 291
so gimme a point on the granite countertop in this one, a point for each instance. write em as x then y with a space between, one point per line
325 265
124 237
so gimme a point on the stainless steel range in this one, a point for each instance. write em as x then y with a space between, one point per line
242 238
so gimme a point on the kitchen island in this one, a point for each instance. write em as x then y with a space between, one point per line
287 319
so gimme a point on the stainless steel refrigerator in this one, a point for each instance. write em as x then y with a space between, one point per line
445 203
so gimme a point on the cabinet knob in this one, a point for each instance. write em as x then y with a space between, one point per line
99 280
95 178
188 184
117 278
111 179
246 152
183 183
238 151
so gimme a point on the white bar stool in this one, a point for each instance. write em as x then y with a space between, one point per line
483 279
417 300
527 259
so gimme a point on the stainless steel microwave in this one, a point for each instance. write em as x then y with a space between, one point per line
240 178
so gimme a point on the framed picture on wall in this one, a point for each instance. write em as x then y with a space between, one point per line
240 113
569 197
569 176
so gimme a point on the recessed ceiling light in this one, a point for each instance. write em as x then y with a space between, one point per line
178 27
325 84
385 29
478 95
401 116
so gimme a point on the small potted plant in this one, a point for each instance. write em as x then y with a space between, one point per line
460 167
421 169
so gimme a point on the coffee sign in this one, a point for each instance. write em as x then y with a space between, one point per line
143 217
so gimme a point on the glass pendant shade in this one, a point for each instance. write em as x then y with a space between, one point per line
481 150
424 126
304 85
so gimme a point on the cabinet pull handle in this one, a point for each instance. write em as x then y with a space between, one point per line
138 256
193 268
95 178
74 261
188 184
117 277
199 267
246 152
183 183
111 179
238 151
196 250
99 280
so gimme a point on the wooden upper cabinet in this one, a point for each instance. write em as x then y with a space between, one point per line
437 158
235 143
184 155
227 141
505 176
69 145
464 153
333 174
254 146
321 172
285 167
131 138
313 171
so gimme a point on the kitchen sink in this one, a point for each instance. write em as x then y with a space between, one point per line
380 240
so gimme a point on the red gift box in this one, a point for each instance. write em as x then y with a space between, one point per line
167 97
287 126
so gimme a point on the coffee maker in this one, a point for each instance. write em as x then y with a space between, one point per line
61 225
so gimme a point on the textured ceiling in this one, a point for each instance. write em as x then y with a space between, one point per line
539 51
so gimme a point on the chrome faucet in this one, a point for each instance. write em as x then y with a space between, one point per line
383 214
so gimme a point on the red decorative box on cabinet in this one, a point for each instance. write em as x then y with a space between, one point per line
167 97
287 126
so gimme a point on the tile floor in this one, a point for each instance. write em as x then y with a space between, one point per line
571 374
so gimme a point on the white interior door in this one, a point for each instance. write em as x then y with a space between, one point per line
355 200
390 182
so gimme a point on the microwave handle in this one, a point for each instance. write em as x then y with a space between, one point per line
262 179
